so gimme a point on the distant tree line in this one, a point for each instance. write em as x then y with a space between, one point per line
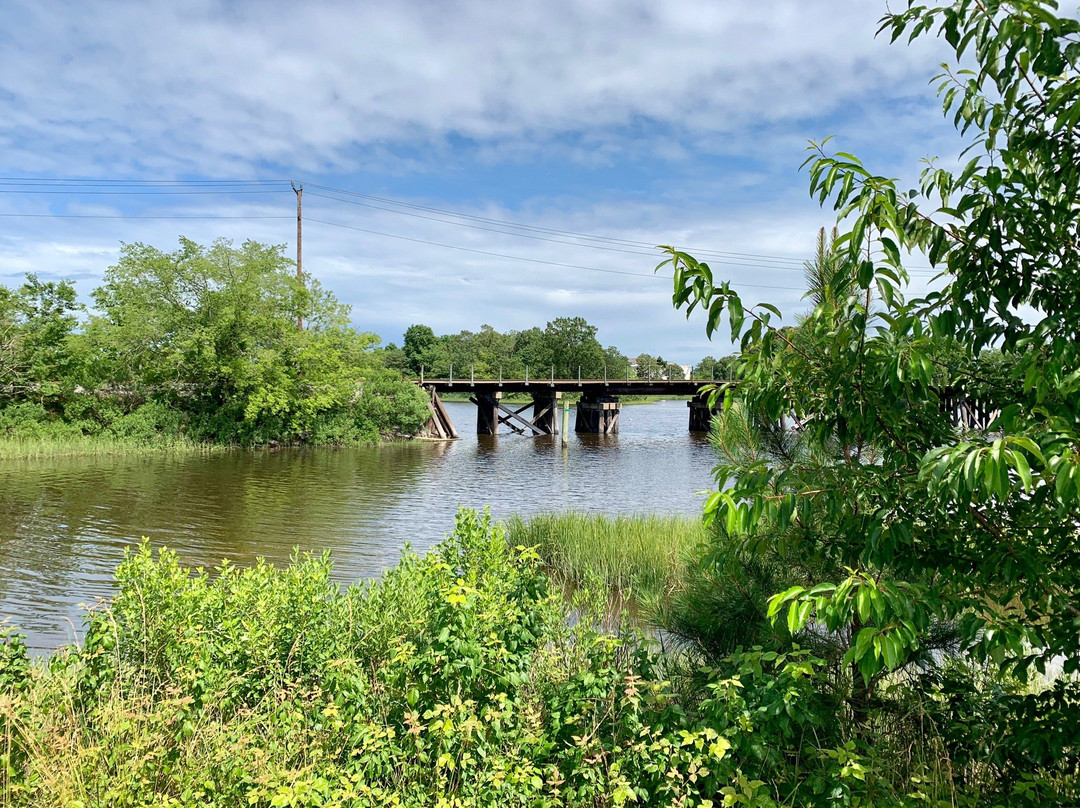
565 347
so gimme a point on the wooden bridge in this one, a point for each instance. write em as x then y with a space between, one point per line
598 408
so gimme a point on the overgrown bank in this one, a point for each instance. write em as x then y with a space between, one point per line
197 346
456 680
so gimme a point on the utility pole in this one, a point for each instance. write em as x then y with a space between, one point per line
299 242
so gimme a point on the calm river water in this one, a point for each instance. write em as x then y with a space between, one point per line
65 523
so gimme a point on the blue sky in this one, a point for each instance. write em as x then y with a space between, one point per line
682 122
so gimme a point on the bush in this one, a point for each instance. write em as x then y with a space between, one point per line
455 680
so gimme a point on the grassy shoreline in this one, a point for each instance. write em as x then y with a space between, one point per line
636 558
13 448
46 448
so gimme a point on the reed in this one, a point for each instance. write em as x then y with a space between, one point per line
638 557
60 446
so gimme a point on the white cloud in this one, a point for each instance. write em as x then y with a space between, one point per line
710 103
227 87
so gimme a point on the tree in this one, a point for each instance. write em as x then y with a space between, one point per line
571 345
646 367
616 365
825 282
712 369
211 332
933 523
418 342
532 351
38 360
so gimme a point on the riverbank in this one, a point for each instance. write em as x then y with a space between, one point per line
47 447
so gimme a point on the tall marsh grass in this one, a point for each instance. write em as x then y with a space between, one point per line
640 557
47 448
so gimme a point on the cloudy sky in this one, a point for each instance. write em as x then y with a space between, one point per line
463 162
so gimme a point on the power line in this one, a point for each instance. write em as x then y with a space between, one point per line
128 216
760 260
480 227
135 183
24 185
155 192
651 253
522 258
534 228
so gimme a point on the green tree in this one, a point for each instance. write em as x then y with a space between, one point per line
616 365
824 280
572 346
532 351
39 360
932 523
211 332
418 343
712 369
648 367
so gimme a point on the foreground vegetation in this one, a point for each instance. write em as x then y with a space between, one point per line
859 517
455 680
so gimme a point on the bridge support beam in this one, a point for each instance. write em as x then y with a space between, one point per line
700 415
598 415
487 413
546 412
439 426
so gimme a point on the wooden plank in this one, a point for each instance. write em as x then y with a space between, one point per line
511 414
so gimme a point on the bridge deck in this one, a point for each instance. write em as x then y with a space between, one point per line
596 387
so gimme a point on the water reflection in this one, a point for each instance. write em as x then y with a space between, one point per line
64 524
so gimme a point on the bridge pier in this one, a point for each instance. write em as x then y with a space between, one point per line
701 414
545 418
490 412
487 413
598 415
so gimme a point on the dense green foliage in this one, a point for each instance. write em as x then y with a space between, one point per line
200 343
566 347
455 680
896 531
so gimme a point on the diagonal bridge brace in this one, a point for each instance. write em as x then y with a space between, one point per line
509 416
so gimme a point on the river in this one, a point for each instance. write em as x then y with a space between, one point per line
64 523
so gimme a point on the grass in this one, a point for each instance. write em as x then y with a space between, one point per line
638 557
50 447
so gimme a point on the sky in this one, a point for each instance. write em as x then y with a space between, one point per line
463 163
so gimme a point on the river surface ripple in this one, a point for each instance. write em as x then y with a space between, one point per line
64 523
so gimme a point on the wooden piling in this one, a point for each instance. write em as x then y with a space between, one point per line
546 411
598 415
439 426
487 413
700 415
